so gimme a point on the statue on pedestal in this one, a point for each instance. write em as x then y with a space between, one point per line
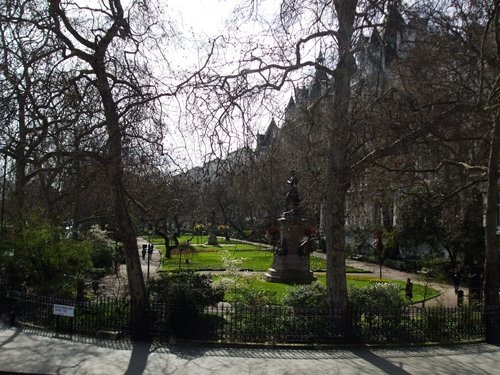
291 262
292 196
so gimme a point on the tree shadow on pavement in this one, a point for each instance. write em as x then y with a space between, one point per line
11 338
379 362
191 352
139 357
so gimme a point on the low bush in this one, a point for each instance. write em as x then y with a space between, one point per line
304 296
377 296
186 293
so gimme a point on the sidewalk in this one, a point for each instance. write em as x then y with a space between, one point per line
22 351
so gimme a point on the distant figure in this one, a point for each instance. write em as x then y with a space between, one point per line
144 251
409 289
456 280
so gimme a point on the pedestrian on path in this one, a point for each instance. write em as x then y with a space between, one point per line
409 289
456 280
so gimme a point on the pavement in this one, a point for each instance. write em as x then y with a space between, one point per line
31 352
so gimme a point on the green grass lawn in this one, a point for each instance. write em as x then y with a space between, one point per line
241 256
245 256
279 290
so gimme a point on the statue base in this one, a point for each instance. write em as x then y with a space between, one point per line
212 239
289 276
291 264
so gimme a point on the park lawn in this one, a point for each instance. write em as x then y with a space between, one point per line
212 259
280 289
246 257
254 257
201 240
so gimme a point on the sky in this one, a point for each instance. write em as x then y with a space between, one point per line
201 21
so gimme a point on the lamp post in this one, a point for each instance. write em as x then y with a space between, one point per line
425 272
150 254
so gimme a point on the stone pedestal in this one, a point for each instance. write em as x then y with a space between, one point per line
291 262
212 239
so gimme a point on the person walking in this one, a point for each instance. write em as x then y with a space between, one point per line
409 290
456 280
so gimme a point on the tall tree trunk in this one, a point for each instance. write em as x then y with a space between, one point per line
491 269
491 280
338 174
114 172
95 56
20 163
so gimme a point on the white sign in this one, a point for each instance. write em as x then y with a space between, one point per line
64 310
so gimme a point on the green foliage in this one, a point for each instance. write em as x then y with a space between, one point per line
102 247
186 293
185 288
303 296
44 260
377 296
378 309
361 238
420 219
436 324
391 244
244 289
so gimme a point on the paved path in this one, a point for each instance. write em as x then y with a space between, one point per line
22 351
446 299
112 285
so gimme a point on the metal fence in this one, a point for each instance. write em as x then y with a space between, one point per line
230 323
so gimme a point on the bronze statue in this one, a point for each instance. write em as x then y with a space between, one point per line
292 197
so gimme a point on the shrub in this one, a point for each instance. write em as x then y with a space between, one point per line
391 246
102 247
307 296
185 288
42 259
185 293
379 310
378 296
240 289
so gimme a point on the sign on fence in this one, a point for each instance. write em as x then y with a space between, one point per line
64 310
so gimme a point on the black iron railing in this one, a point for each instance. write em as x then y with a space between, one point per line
252 324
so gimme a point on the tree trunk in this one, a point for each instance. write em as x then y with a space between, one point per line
114 172
338 175
491 280
20 160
